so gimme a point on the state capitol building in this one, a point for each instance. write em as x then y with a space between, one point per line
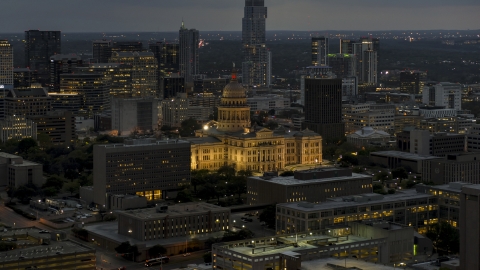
232 140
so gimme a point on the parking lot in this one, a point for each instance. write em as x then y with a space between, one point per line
254 225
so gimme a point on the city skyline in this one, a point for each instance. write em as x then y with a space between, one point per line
211 15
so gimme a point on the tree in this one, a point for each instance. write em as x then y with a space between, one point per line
166 128
207 257
227 171
72 187
184 196
349 160
127 251
55 182
25 192
445 238
399 173
188 127
157 251
25 144
381 176
378 188
198 178
271 125
268 216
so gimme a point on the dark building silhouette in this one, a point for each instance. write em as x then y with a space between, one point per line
62 64
323 107
39 47
412 81
189 61
24 77
170 86
343 65
319 51
102 49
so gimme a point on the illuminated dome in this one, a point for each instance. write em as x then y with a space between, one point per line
234 89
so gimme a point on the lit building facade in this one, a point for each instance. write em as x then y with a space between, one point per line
17 127
231 139
144 167
6 72
144 71
319 51
62 64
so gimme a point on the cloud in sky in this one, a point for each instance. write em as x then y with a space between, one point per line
166 15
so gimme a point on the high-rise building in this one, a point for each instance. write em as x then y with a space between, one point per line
323 107
23 78
39 47
445 94
168 57
134 115
369 67
6 63
127 46
144 167
144 72
62 64
366 53
28 102
188 52
255 66
412 81
117 76
470 227
92 90
319 51
343 65
346 46
101 50
6 72
172 86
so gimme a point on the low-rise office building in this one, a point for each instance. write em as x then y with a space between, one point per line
395 159
173 221
59 126
28 102
455 167
379 242
134 115
439 144
15 172
311 185
407 208
470 227
147 167
45 250
368 136
17 127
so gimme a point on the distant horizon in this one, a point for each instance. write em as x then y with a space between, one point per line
116 16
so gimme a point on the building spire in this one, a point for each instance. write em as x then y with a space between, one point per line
234 73
183 25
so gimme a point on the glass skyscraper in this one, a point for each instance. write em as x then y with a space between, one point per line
256 65
189 63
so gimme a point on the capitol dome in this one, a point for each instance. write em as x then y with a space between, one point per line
234 89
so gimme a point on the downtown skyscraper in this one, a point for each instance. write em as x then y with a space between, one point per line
39 47
6 72
188 46
256 66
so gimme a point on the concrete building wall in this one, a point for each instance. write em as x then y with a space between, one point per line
470 228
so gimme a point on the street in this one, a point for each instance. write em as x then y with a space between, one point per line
10 218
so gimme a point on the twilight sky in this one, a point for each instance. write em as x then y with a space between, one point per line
208 15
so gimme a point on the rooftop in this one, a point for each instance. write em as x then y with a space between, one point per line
347 201
110 231
404 155
321 264
174 210
291 180
142 142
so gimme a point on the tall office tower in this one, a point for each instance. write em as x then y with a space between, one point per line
144 167
28 102
117 76
132 116
343 65
346 46
323 108
23 78
39 46
62 64
127 46
369 67
319 51
171 86
6 72
6 63
470 227
102 49
412 81
144 72
445 94
255 67
90 87
188 47
168 57
349 87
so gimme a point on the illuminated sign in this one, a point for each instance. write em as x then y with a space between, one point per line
2 86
